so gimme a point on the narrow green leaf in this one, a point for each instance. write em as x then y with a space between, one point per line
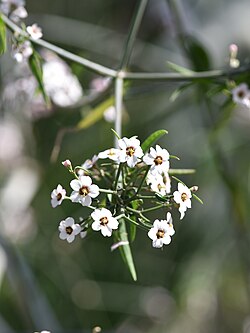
152 139
3 44
116 134
181 172
125 249
174 157
197 198
35 62
176 93
179 69
95 114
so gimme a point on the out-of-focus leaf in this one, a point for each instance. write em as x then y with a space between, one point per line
95 114
152 139
176 93
3 44
196 52
35 63
125 249
179 69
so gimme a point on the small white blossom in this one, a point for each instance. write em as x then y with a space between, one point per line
14 8
88 164
68 229
83 190
241 95
109 114
183 198
67 164
161 231
158 159
112 154
22 51
159 183
131 151
57 196
104 221
35 31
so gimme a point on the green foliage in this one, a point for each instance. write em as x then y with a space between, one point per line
35 62
152 139
3 45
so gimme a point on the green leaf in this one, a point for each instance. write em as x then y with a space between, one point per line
196 53
115 133
176 93
35 62
181 172
125 250
197 198
3 44
95 114
152 139
179 69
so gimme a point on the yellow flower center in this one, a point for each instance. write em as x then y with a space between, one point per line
130 151
84 191
160 234
158 160
69 230
104 220
184 197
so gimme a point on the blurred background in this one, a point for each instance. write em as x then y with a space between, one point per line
198 283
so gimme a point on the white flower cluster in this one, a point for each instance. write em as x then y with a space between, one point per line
151 167
241 95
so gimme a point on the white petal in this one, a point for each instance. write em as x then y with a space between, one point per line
70 238
166 239
75 185
113 223
69 221
106 231
76 229
96 226
148 160
152 233
75 197
85 180
86 201
169 217
177 197
54 202
63 235
131 161
93 191
157 243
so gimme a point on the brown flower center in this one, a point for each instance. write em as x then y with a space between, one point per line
241 93
158 160
104 220
84 190
59 196
130 151
184 197
69 230
160 234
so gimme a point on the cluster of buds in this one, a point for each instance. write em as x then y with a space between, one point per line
21 47
138 181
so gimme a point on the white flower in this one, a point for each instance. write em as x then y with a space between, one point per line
57 196
35 31
158 158
131 151
109 114
68 229
60 83
88 164
15 8
240 94
104 221
83 190
161 232
22 51
159 183
112 154
183 198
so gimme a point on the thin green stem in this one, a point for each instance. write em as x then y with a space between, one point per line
134 27
102 190
118 175
142 181
136 223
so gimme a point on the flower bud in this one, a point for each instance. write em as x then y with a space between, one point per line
67 164
194 188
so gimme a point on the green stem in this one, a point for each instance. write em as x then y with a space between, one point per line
136 223
102 190
134 27
118 176
142 181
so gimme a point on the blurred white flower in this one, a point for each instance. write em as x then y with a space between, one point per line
60 84
88 164
104 221
99 84
68 229
109 114
158 159
34 31
159 183
83 190
161 231
241 95
183 198
131 151
14 8
57 196
111 153
22 51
